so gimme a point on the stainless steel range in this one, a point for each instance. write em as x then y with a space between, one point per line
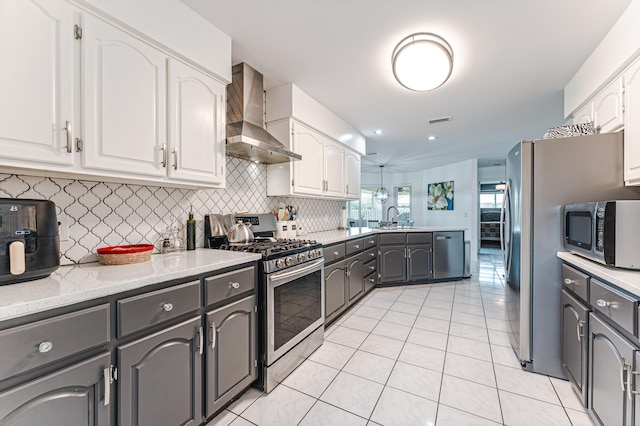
290 299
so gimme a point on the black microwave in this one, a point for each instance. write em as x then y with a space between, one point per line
607 232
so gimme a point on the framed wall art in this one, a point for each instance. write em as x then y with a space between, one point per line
440 196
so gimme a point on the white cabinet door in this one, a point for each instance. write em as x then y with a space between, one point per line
308 173
632 125
584 114
607 108
352 172
333 169
36 81
196 125
124 101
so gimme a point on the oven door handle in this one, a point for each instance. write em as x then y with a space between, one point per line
298 272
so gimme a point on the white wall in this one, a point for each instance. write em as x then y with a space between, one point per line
465 202
491 174
465 206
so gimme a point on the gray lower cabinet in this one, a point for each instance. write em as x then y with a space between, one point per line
419 265
355 276
75 395
335 290
231 352
160 377
610 369
392 263
575 343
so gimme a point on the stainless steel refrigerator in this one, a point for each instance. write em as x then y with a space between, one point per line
542 175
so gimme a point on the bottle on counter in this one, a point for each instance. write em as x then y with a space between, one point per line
343 219
191 231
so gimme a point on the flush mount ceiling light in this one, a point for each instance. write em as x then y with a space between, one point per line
422 62
378 131
381 195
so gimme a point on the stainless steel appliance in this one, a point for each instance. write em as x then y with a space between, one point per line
290 299
605 231
448 254
246 137
543 175
29 242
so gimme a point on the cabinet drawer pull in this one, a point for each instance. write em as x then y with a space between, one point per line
356 246
569 281
336 253
372 254
167 307
45 347
213 335
606 304
373 268
372 241
372 280
234 285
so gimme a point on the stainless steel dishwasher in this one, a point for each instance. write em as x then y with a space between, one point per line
448 254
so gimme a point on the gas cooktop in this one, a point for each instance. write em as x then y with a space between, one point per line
274 249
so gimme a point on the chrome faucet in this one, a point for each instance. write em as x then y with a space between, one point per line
388 210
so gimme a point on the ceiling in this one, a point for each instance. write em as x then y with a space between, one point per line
512 60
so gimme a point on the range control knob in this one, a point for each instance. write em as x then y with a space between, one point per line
279 263
288 261
300 257
318 253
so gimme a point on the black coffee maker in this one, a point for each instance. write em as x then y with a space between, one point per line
29 242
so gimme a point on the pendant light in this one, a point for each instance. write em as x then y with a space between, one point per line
381 195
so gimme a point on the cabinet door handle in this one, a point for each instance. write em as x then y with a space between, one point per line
67 128
163 159
106 374
622 383
175 158
213 335
372 280
200 341
579 330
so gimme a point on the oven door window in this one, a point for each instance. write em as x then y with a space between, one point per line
297 305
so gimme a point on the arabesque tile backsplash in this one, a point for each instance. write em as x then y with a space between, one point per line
106 214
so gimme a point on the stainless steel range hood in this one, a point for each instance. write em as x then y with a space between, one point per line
246 137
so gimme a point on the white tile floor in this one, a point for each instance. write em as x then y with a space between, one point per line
433 354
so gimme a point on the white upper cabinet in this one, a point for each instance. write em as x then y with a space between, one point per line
607 108
36 83
308 173
632 125
196 126
352 174
124 101
584 114
334 169
82 97
322 172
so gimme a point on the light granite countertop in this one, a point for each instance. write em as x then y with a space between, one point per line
626 279
78 283
338 235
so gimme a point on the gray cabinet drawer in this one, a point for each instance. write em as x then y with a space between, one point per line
354 246
370 254
370 267
612 303
418 237
575 281
42 342
139 312
370 241
334 252
392 238
224 286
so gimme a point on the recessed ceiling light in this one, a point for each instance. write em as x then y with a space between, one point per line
432 138
378 131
